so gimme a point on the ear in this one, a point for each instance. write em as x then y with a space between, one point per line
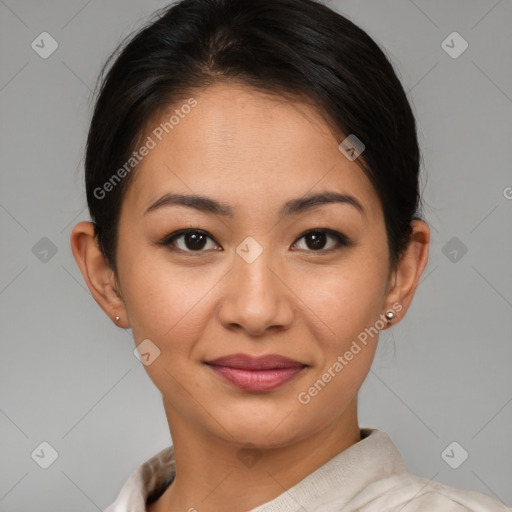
406 276
97 273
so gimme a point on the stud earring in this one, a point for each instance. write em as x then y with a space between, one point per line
118 318
390 315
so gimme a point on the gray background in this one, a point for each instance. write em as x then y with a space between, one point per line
68 376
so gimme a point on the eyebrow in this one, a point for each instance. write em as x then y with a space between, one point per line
291 207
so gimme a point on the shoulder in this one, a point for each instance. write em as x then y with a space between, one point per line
146 483
407 492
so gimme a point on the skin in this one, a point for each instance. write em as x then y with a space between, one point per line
252 152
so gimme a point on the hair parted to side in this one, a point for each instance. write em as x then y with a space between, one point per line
298 49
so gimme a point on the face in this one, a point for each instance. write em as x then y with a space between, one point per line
254 269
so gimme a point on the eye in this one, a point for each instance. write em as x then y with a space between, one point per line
196 240
190 240
317 239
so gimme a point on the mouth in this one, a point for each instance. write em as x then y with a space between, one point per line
264 373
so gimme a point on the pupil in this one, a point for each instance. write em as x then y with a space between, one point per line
317 240
195 241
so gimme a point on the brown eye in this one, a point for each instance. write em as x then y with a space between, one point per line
316 240
190 241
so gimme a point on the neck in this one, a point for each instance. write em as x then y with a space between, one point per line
217 474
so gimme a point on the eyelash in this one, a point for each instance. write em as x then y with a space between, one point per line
340 238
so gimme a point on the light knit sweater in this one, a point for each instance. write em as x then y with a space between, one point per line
369 476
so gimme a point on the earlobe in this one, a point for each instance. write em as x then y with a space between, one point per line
97 273
409 269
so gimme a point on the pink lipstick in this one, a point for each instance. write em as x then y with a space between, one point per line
263 373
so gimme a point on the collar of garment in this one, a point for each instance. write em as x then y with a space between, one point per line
362 463
369 476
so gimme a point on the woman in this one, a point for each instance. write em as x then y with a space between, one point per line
252 177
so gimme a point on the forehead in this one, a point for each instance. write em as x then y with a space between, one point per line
239 144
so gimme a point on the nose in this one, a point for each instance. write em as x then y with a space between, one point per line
256 298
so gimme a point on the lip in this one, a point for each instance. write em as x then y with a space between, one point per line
263 373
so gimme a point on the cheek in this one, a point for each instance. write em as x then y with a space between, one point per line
348 303
171 307
167 302
347 299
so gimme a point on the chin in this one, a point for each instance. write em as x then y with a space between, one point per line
264 428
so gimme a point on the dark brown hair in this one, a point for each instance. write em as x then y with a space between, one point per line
294 48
